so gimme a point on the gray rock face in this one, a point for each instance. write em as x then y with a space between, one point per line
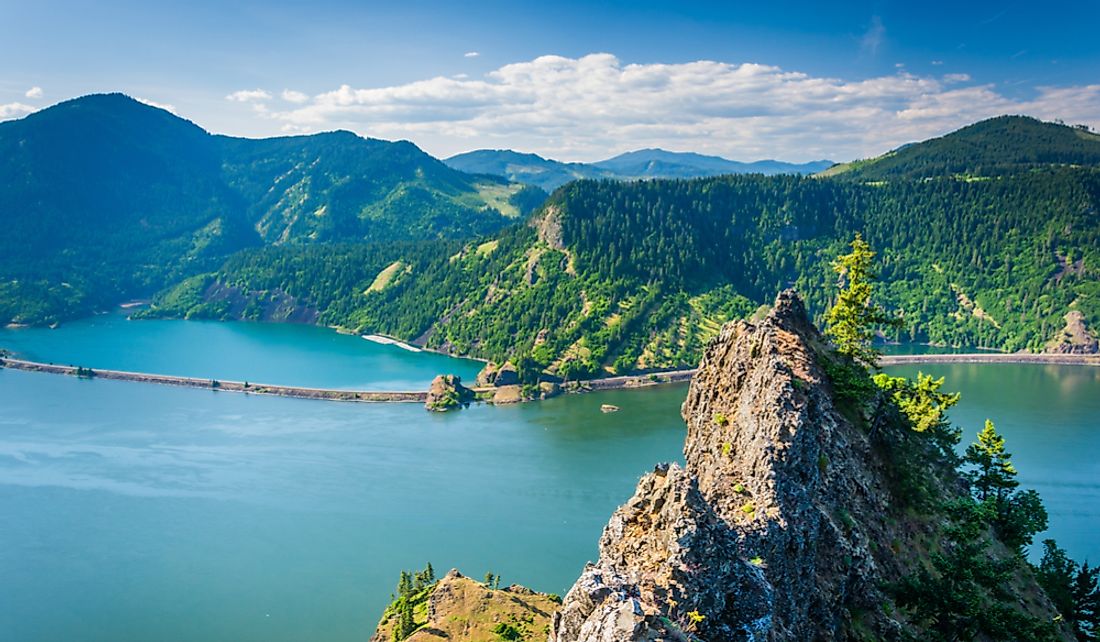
447 393
500 376
766 534
666 547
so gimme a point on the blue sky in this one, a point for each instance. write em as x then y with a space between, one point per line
578 81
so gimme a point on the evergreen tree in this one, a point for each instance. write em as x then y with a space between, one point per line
406 624
851 321
405 585
994 475
1073 590
1018 516
1086 602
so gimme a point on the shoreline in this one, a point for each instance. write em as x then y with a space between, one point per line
1040 358
626 382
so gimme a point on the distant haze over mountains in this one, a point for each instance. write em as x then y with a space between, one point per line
644 163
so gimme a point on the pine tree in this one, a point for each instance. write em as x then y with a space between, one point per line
1073 590
406 624
850 322
995 476
1086 603
405 585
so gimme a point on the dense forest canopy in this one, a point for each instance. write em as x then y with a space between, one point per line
993 147
621 277
103 198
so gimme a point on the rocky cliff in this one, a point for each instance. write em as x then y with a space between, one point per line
786 522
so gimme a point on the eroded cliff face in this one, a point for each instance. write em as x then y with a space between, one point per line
776 529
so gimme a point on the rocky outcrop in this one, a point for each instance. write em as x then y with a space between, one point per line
460 609
487 375
447 393
499 376
669 566
1075 338
782 525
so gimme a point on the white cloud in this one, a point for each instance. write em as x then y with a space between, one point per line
34 93
937 62
15 110
292 96
152 103
595 106
248 95
471 54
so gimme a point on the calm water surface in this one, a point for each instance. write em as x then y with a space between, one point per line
144 512
293 355
1050 418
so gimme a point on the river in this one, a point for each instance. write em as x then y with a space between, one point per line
138 512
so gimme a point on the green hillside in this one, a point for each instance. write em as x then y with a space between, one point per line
618 277
104 198
993 147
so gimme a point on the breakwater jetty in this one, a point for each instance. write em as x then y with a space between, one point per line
220 385
590 385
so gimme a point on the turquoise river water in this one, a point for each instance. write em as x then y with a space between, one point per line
144 512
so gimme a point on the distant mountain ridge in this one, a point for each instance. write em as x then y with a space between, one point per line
643 163
992 147
104 197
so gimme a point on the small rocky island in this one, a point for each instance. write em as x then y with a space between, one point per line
801 513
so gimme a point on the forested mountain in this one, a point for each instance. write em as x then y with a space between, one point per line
103 197
644 163
993 147
617 277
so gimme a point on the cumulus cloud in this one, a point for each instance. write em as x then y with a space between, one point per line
471 54
14 110
248 95
292 96
34 93
595 106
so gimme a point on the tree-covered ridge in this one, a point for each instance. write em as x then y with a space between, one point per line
993 147
104 198
623 277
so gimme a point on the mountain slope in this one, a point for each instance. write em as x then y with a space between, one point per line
626 277
993 147
103 197
644 163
